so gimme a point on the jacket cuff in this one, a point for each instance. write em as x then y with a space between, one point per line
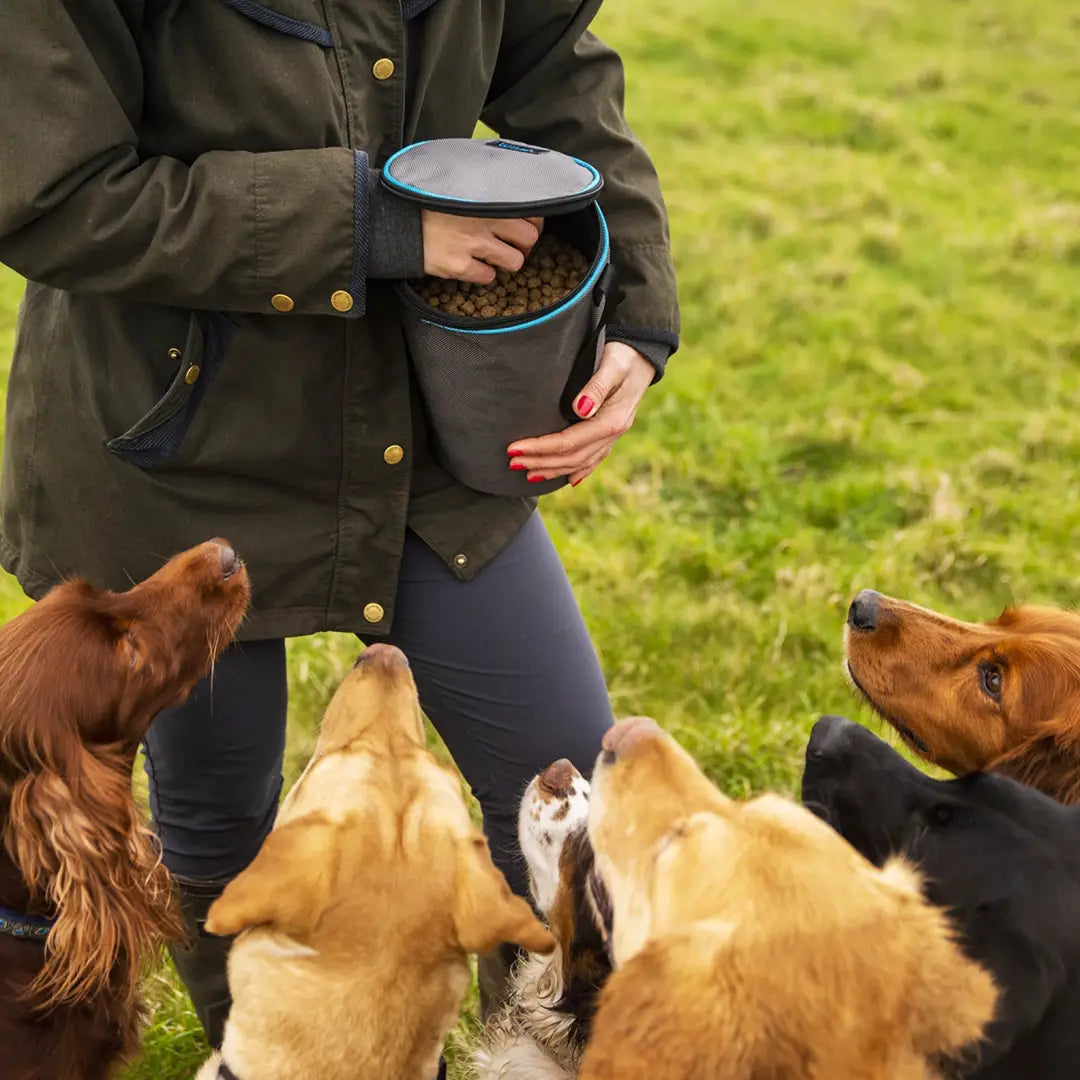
397 236
654 344
311 232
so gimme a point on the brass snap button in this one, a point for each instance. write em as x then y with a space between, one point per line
281 302
461 561
341 300
192 374
174 354
393 454
373 612
383 69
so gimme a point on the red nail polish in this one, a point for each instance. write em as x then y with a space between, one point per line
517 466
576 482
514 453
537 479
584 405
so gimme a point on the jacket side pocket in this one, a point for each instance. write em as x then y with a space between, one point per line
158 434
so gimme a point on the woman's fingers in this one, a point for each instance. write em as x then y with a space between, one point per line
522 233
453 245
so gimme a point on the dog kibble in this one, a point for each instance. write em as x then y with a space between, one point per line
553 270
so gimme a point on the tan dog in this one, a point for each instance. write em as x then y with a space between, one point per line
357 915
752 942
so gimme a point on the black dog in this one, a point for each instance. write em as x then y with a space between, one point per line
1003 858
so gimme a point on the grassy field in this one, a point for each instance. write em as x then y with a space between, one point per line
876 216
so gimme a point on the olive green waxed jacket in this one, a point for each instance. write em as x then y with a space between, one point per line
209 343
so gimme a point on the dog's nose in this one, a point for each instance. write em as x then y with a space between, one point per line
229 562
830 737
620 738
558 778
863 613
381 655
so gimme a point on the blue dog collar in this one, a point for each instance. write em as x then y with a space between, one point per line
30 927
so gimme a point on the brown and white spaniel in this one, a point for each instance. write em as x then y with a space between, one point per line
541 1031
84 898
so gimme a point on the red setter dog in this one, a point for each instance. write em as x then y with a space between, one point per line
83 894
1002 695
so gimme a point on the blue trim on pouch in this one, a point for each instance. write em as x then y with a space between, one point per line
17 925
551 313
595 183
296 28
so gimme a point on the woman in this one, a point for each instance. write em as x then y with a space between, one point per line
209 346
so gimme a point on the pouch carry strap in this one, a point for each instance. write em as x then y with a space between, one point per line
605 291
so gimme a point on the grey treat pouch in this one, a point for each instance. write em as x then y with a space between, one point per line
488 382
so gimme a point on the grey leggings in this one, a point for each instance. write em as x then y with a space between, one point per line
506 673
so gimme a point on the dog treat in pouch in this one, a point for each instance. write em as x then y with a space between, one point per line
501 362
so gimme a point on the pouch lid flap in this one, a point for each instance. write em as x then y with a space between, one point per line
491 178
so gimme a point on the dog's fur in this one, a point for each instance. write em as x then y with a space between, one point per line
927 675
751 941
541 1031
1001 857
358 913
82 674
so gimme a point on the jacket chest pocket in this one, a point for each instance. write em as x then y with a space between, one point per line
158 434
294 18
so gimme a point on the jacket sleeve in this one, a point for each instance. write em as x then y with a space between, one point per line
556 84
81 211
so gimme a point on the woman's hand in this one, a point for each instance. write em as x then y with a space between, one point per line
608 403
470 249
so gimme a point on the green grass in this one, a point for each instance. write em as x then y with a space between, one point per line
876 217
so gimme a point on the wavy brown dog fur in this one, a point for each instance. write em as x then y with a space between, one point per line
1002 695
82 674
751 941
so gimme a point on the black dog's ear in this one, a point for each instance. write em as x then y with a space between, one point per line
1029 975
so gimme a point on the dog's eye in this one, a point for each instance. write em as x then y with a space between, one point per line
941 814
990 680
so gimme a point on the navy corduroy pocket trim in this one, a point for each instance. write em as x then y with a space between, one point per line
284 24
361 234
159 434
411 8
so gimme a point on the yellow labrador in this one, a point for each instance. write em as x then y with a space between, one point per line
357 915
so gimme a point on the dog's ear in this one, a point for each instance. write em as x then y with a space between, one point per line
74 833
1048 762
951 997
288 885
486 912
1030 974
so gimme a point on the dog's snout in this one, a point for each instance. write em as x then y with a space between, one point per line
558 778
621 737
381 655
863 613
830 737
229 561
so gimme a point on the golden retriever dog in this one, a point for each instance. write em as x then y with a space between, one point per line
1002 695
357 916
751 942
